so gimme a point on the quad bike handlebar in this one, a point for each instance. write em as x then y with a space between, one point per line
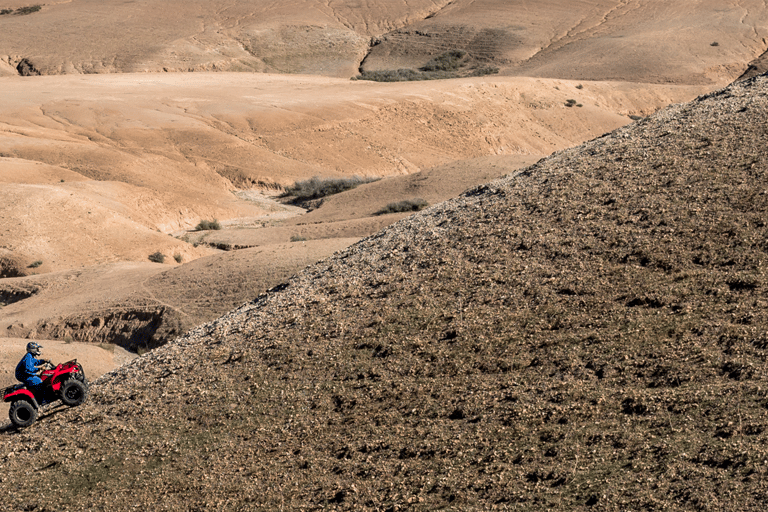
47 365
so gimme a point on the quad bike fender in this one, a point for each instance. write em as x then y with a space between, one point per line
21 394
58 375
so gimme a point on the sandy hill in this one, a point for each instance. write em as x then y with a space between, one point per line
100 170
130 157
118 157
588 333
639 41
291 36
636 40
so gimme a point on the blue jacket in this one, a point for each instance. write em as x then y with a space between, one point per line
27 367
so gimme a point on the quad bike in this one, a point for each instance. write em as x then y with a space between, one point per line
65 382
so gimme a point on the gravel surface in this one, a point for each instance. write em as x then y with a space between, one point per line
588 333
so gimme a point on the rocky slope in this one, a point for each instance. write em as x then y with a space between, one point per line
589 333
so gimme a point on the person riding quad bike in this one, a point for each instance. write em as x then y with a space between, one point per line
27 371
65 382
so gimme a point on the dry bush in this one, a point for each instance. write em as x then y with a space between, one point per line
317 187
451 64
208 225
407 205
157 257
448 61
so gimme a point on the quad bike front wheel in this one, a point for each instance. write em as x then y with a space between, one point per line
22 413
73 392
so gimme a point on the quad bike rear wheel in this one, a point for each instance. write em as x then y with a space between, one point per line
73 392
22 413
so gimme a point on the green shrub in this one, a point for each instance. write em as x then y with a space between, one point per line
486 70
208 225
35 264
409 75
570 103
298 238
21 10
157 257
316 187
407 205
28 10
448 61
391 75
451 64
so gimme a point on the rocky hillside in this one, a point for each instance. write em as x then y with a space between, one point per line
589 333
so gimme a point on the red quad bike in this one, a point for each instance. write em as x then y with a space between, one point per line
65 382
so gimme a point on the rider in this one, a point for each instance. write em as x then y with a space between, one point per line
27 369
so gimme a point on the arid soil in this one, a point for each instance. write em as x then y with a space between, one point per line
588 333
137 140
121 162
585 333
139 306
650 41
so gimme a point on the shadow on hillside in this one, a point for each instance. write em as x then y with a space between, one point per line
8 428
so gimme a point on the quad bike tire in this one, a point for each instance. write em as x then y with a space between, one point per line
22 413
73 392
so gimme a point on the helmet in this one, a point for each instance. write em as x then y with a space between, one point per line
33 348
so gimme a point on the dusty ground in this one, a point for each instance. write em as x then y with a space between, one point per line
586 334
630 40
157 121
122 162
142 305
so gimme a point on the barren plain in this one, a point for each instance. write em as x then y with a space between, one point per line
455 368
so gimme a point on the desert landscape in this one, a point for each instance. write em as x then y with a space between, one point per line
464 254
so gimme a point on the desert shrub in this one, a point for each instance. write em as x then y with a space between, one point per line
570 103
316 187
635 117
298 238
35 264
410 75
448 61
486 70
157 257
208 225
21 10
391 75
178 258
451 64
407 205
28 10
